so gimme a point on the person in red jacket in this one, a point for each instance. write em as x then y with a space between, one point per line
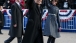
22 4
12 1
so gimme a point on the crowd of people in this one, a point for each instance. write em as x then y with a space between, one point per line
67 4
8 3
33 32
62 4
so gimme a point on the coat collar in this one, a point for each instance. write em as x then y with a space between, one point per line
18 6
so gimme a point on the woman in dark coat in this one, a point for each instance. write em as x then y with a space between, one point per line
33 32
52 24
1 15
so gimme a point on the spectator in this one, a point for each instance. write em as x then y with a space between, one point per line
63 4
7 4
1 15
22 4
12 1
1 19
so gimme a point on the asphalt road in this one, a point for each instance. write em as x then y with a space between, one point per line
66 37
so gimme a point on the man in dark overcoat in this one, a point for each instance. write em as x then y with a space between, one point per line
16 29
33 32
1 15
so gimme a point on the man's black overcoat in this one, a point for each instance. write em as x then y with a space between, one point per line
33 27
16 18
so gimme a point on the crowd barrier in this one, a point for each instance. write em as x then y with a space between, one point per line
67 19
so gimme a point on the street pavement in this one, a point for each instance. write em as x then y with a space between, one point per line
66 37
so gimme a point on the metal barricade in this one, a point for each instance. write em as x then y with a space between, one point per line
69 24
8 21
